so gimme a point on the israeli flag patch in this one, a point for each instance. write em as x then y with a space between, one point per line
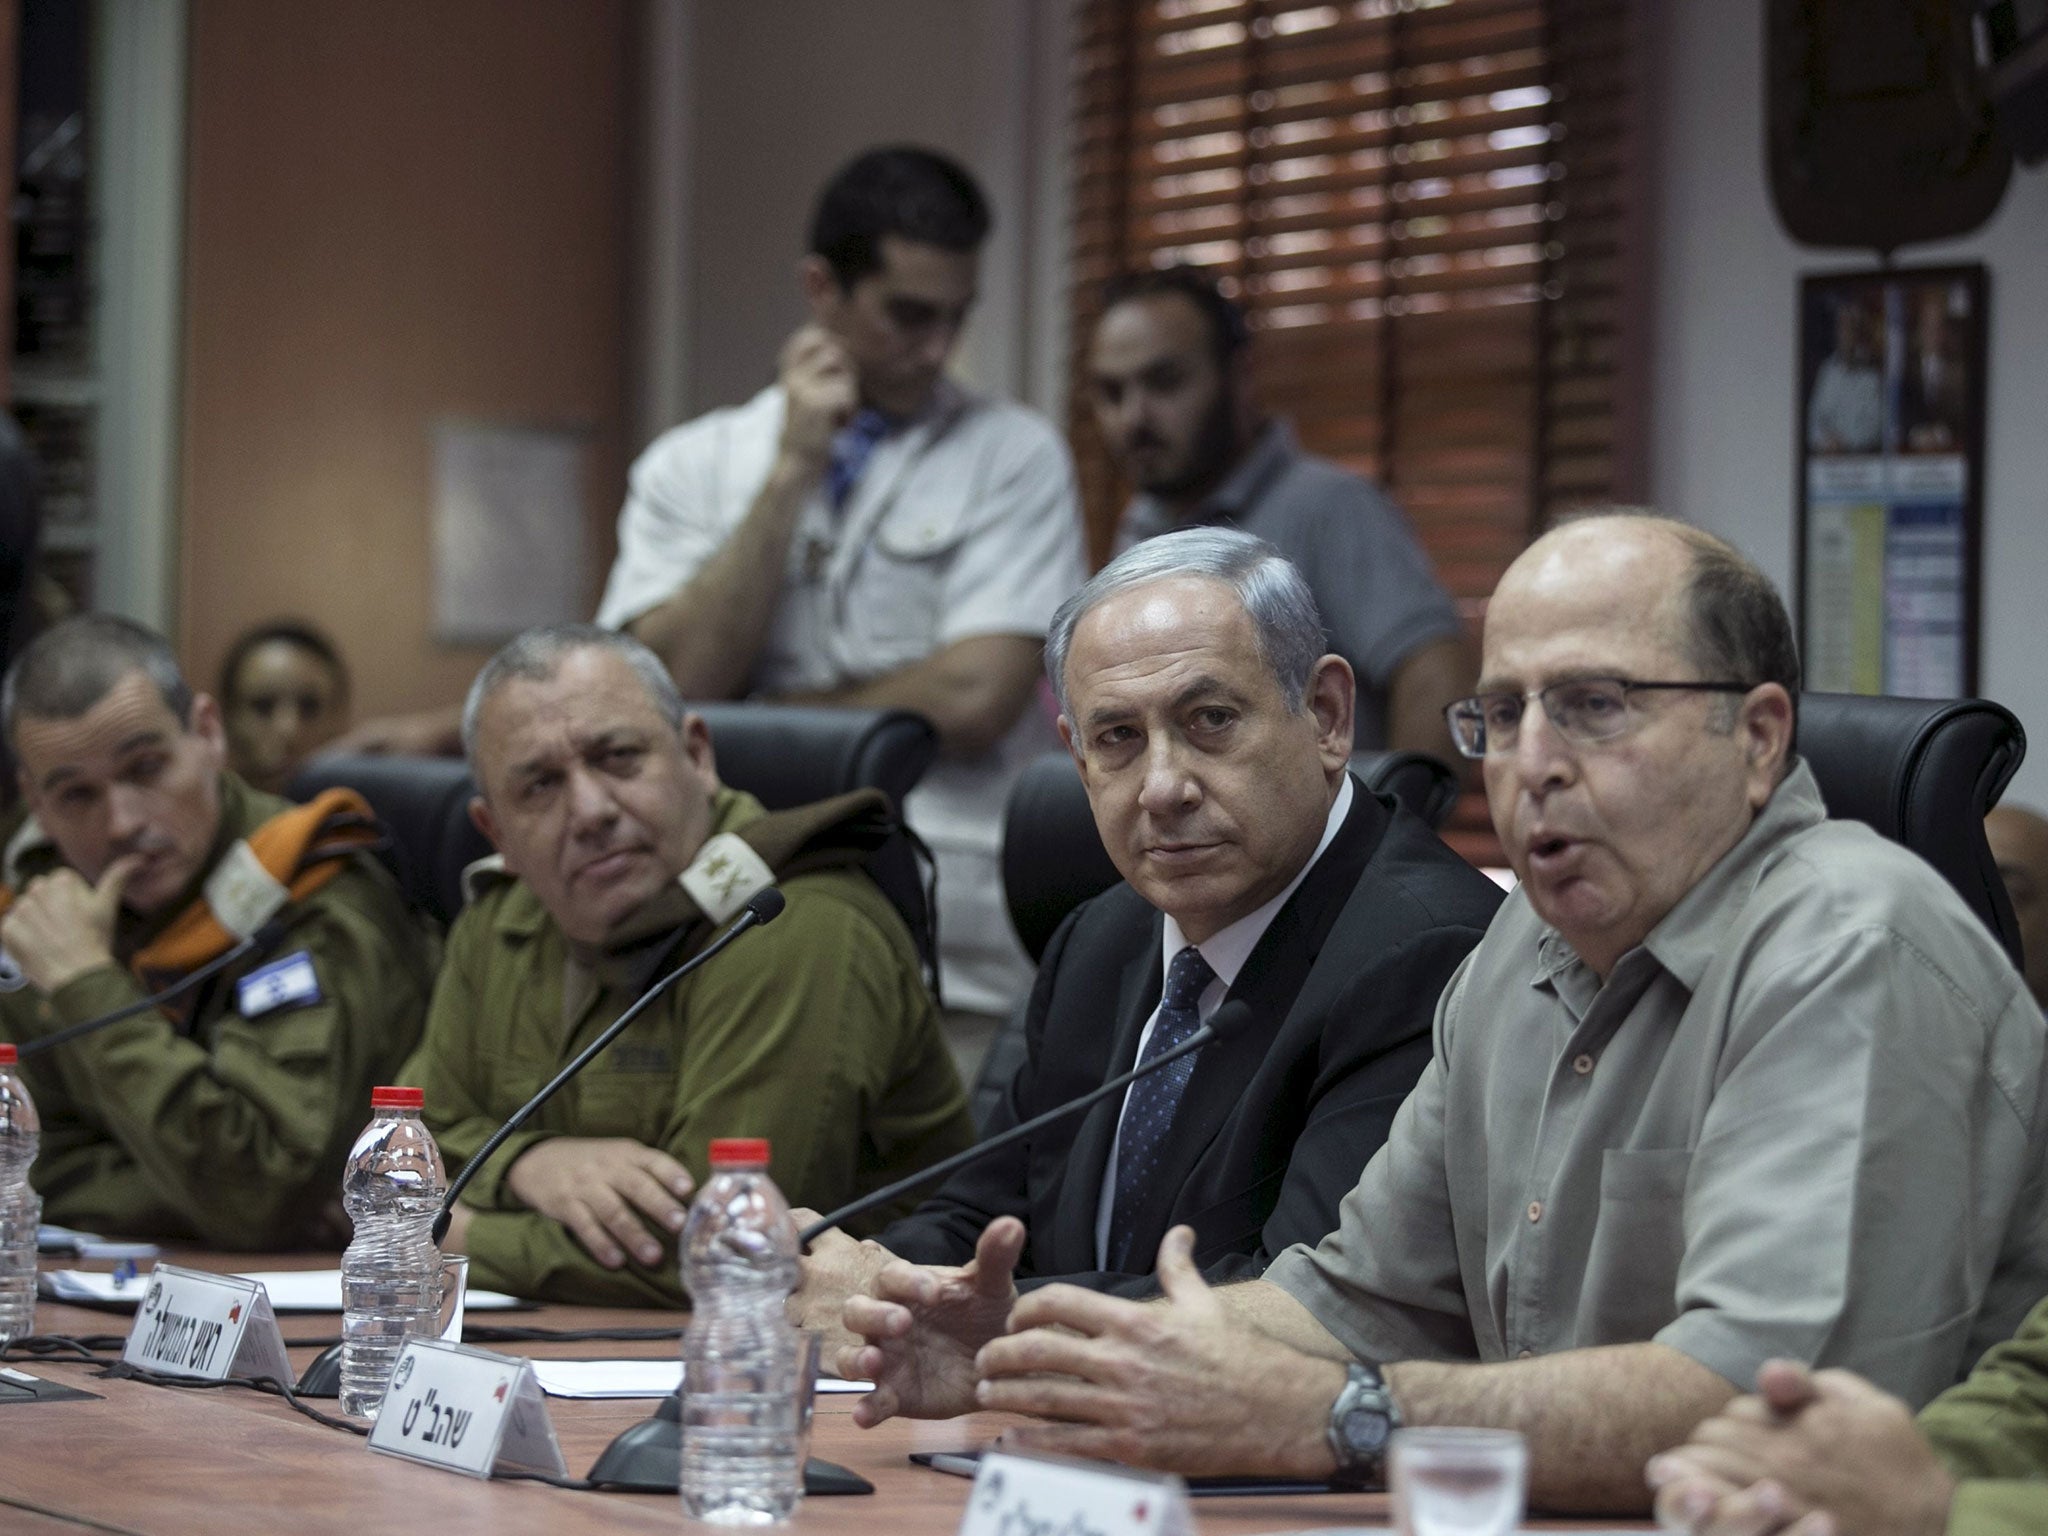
286 983
11 977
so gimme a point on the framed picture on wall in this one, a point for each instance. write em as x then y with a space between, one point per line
1891 475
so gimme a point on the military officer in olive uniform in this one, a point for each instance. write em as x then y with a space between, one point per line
226 1113
620 853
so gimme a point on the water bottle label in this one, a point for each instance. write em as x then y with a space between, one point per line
286 983
207 1326
1019 1492
466 1410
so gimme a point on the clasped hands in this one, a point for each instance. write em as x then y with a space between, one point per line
1175 1383
1811 1453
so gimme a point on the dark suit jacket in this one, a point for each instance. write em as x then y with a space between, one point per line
1279 1119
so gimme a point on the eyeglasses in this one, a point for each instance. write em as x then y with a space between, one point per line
1586 711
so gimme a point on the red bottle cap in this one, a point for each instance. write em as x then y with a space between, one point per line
739 1152
398 1098
9 1055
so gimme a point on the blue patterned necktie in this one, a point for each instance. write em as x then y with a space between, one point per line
1148 1113
852 446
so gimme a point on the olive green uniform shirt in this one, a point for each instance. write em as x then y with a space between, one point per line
814 1031
1803 1118
226 1129
1992 1433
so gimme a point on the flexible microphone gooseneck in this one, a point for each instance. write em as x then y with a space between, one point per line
1229 1020
646 1457
763 907
262 938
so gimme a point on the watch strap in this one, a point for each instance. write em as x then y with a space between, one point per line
1362 1421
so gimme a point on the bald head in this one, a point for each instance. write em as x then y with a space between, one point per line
1654 745
1720 609
2019 844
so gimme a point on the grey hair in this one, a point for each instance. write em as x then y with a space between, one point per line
538 654
1274 595
71 666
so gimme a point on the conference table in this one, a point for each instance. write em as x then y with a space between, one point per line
231 1461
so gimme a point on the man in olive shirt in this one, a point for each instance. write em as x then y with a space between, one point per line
1724 1081
619 854
1827 1452
226 1114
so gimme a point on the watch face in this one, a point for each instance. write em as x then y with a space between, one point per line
1365 1430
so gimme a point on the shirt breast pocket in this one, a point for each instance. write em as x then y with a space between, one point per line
897 599
1631 1287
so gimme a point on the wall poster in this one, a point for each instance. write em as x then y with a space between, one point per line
1891 474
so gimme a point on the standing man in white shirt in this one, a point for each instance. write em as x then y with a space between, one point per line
866 532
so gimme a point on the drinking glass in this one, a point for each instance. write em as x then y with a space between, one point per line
1458 1482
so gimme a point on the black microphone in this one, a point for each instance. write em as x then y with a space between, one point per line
764 906
262 938
1233 1017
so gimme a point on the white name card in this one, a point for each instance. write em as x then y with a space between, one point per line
191 1323
1027 1495
466 1410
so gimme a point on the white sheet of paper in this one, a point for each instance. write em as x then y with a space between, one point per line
290 1290
636 1378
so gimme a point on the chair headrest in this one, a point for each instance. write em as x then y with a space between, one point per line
1922 772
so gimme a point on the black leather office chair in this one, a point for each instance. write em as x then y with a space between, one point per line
1922 772
1053 858
424 802
784 755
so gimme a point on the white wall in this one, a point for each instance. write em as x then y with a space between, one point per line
1726 348
757 104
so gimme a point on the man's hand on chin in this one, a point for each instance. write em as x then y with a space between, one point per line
60 927
1180 1387
923 1324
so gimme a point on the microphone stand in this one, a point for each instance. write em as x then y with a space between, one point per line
764 907
323 1377
958 1160
647 1457
267 934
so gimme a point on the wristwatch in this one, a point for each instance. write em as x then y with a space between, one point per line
1361 1419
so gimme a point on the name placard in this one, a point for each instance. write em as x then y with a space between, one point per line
466 1410
207 1326
1027 1495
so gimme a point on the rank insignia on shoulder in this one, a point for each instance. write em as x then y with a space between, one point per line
286 983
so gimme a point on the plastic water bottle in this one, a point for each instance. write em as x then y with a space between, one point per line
742 1418
20 1209
391 1273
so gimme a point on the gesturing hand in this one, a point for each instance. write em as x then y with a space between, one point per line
1179 1386
60 927
600 1189
923 1324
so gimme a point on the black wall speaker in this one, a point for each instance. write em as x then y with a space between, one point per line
1881 132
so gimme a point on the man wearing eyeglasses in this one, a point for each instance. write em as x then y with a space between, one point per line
1725 1081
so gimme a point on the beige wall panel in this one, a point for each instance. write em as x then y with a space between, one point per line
397 212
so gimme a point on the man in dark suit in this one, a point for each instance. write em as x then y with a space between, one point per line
1267 892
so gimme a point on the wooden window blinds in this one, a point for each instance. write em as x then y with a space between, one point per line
1425 207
